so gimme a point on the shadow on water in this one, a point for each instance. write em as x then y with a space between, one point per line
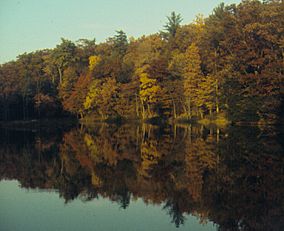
231 176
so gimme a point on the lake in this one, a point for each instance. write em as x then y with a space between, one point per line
142 177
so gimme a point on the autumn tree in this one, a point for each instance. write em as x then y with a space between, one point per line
148 93
61 57
69 79
192 78
75 103
229 62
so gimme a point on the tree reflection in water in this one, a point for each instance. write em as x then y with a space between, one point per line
233 177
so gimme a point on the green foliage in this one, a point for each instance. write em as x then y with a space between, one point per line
63 56
120 42
171 26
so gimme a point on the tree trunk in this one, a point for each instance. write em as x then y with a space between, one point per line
184 108
175 131
136 106
201 114
143 110
149 111
174 109
62 167
189 133
137 137
60 74
189 108
218 135
217 93
143 135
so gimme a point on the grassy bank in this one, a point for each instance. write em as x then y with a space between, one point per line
41 124
219 120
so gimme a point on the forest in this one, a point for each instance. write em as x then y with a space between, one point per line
227 66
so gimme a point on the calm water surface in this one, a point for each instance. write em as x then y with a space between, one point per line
142 177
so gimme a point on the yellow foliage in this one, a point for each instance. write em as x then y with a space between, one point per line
191 74
102 96
177 63
92 147
199 24
96 181
150 156
200 157
94 60
149 88
93 94
88 140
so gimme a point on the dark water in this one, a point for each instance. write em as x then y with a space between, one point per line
142 177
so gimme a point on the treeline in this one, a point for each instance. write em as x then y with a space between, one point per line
230 63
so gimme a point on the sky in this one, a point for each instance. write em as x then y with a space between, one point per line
29 25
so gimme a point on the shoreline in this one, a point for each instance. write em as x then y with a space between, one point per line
65 122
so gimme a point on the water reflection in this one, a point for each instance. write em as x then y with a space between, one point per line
232 177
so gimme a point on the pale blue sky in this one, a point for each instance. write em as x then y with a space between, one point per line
29 25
